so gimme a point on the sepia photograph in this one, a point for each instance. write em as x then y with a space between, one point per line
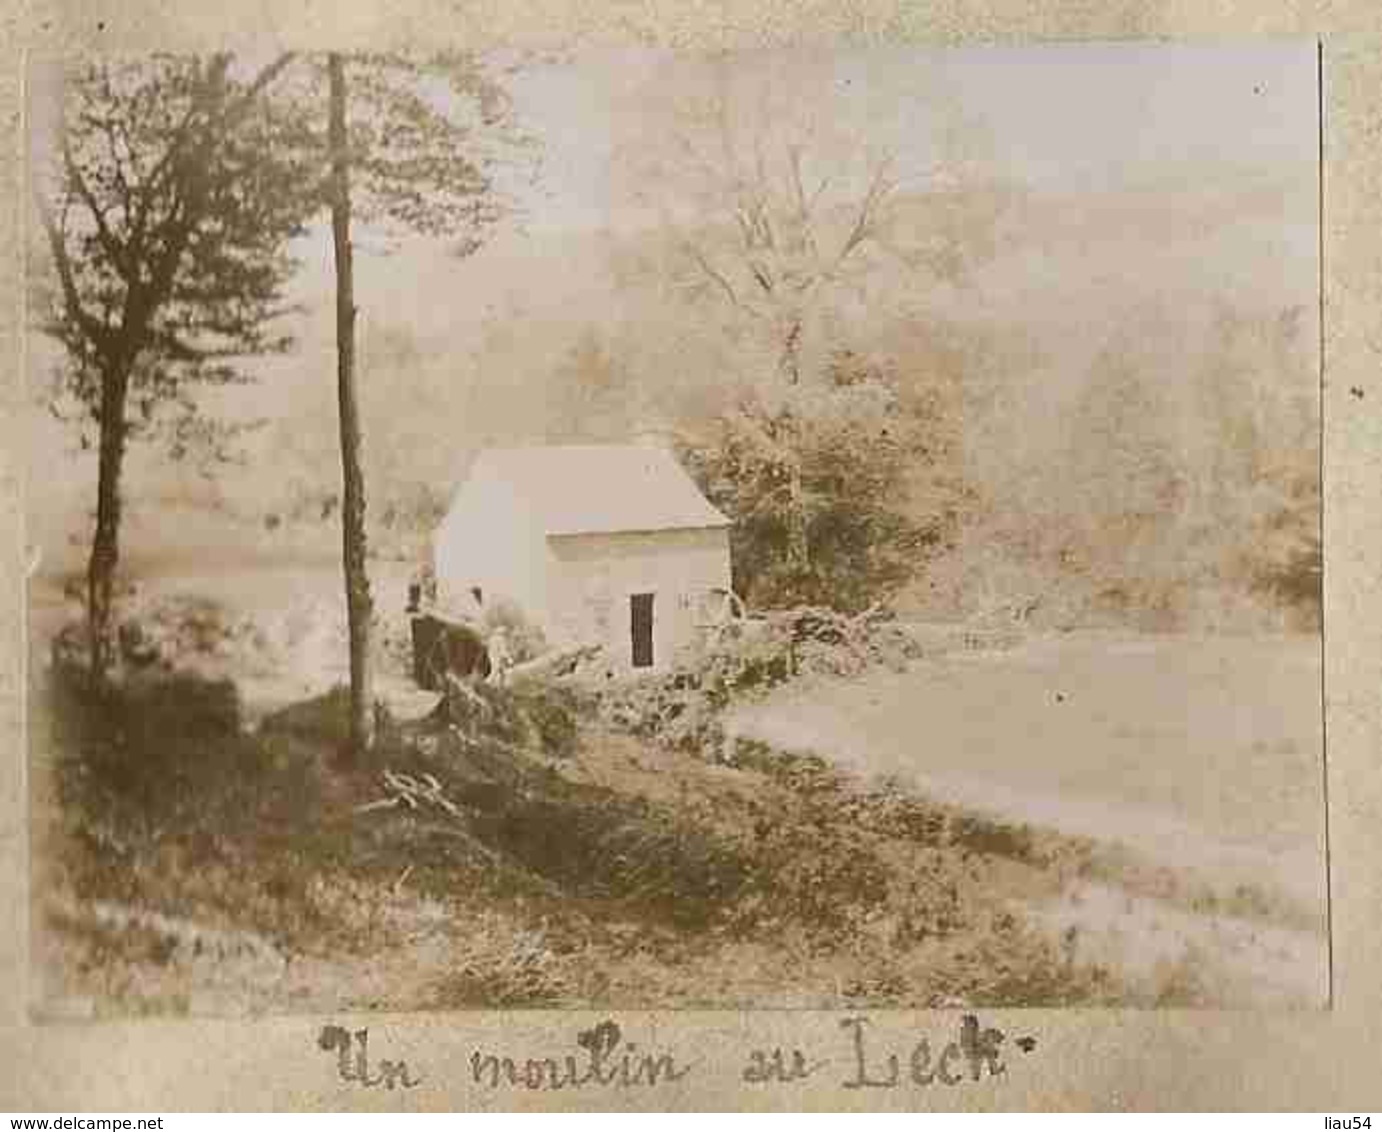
627 529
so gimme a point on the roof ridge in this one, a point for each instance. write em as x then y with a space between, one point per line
602 488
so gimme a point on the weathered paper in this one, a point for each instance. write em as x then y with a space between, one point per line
1060 1059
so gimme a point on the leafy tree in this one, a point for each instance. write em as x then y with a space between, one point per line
167 204
856 445
776 268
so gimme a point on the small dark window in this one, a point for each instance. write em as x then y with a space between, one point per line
641 629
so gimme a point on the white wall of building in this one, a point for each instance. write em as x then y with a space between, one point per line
593 575
491 539
520 535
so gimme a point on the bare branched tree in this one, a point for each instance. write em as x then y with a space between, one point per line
782 223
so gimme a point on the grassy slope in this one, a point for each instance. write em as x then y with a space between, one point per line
199 867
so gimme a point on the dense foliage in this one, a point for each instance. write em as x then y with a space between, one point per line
168 204
857 443
1164 504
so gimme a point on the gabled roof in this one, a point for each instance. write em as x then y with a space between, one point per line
599 488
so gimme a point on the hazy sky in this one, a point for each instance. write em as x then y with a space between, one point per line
1204 153
1181 141
1065 118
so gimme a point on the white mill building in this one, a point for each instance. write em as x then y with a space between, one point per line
609 544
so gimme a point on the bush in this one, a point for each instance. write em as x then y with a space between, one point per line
161 751
857 445
552 713
535 715
1296 585
324 719
682 707
526 640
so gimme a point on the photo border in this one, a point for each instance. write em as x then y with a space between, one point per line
1082 1058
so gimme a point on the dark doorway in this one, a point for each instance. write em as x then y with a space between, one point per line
641 627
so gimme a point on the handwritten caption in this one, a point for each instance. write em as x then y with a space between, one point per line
603 1056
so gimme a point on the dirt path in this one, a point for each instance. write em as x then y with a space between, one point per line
1201 753
1203 756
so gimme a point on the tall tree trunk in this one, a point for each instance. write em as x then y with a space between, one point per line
798 550
359 606
105 544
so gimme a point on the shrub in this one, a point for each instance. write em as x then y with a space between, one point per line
552 713
681 708
534 715
324 719
525 638
163 751
1296 584
856 444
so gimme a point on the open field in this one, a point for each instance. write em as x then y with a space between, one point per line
1202 752
1198 757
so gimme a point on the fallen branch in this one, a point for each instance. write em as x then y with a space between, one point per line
458 688
486 744
557 663
378 804
415 791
